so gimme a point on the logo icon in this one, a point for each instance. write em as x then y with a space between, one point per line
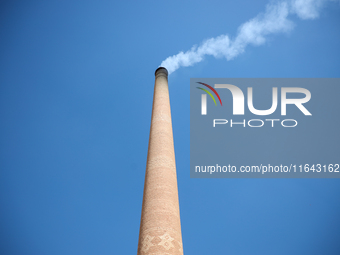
204 97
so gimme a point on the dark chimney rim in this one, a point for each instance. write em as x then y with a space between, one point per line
161 69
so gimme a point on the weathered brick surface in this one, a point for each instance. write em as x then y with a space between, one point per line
160 229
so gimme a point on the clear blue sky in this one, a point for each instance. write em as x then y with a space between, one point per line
76 88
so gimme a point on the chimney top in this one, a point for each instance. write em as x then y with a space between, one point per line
161 71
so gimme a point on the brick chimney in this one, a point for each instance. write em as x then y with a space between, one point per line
160 228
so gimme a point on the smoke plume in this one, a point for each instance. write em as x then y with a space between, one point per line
273 20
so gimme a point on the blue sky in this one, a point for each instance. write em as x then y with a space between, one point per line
76 89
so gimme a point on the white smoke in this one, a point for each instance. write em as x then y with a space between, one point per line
307 9
274 20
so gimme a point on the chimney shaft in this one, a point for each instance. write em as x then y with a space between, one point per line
160 229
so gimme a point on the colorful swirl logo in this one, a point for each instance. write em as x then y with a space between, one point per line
209 93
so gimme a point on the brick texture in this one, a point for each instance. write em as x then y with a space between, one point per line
160 229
